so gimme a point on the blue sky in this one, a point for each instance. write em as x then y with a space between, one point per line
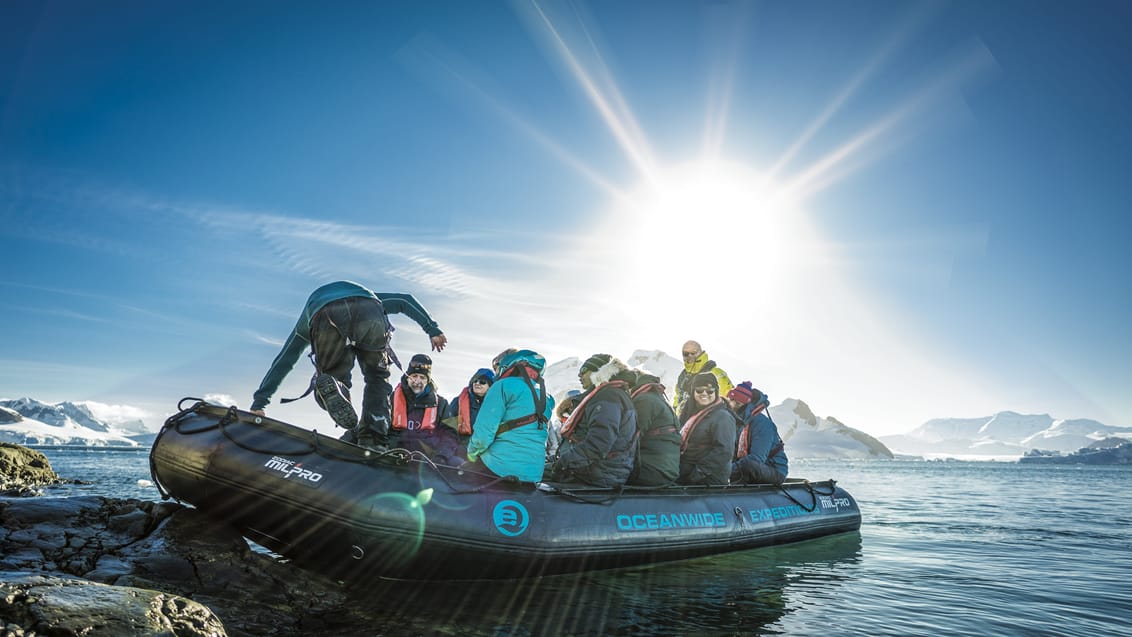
894 211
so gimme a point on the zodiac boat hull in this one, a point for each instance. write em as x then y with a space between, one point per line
350 513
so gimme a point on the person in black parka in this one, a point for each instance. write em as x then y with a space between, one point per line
599 439
658 446
707 435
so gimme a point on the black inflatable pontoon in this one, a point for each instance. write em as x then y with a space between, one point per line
351 513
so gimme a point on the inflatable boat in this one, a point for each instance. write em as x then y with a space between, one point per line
351 513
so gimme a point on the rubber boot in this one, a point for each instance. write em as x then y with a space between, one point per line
334 399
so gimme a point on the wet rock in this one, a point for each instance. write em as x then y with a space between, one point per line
145 568
23 470
47 605
174 550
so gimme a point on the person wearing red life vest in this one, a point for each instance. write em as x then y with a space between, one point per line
416 426
462 410
599 440
759 454
707 435
658 447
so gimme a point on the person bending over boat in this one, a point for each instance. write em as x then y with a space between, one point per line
599 439
343 321
509 435
658 447
462 411
760 457
417 408
707 435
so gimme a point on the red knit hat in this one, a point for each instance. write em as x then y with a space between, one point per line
743 393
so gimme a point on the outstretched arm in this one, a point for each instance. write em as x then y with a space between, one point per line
399 303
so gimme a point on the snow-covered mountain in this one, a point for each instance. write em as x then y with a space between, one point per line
30 422
805 435
808 436
1004 434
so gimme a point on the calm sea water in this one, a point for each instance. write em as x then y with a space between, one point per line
946 548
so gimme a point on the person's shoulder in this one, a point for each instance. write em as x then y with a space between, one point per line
722 412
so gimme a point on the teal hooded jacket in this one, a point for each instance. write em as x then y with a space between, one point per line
519 452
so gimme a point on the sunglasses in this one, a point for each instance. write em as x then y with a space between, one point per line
691 354
705 391
480 381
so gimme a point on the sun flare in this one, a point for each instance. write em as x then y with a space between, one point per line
724 216
706 231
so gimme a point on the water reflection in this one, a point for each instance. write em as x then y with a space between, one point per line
740 593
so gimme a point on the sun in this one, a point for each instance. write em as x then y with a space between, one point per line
712 221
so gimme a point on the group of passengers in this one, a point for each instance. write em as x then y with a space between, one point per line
622 429
619 429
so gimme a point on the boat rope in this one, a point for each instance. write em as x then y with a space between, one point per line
614 494
814 493
494 481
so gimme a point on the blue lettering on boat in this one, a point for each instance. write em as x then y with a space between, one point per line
657 521
779 513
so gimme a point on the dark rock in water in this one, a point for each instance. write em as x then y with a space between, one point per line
46 605
165 548
23 469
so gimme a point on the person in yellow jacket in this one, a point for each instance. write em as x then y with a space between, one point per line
695 361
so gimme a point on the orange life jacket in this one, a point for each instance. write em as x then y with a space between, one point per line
401 412
464 413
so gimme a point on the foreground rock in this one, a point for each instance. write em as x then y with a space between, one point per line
69 606
102 566
23 470
166 550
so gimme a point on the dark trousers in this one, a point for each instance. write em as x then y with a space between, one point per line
356 329
757 473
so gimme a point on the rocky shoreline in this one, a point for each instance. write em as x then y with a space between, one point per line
97 566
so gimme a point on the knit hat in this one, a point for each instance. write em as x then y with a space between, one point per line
424 360
742 393
594 363
704 379
417 368
484 373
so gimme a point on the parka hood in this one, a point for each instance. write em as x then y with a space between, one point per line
606 372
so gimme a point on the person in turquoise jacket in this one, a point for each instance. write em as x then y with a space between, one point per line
343 321
509 435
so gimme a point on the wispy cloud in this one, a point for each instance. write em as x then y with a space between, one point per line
58 313
266 340
116 413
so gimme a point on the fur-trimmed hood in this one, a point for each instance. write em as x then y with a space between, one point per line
606 372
